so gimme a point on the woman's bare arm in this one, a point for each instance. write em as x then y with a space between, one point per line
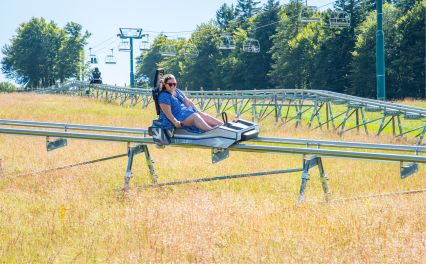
188 102
167 110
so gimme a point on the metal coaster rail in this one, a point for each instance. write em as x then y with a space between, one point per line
312 151
237 147
330 110
271 140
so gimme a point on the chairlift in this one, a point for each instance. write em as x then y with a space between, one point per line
340 19
251 45
124 45
110 58
145 45
168 50
190 51
93 59
226 42
307 14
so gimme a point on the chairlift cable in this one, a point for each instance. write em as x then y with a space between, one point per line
248 31
105 47
182 31
190 31
276 22
100 51
98 44
150 31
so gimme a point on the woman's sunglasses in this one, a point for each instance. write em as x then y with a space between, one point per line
171 84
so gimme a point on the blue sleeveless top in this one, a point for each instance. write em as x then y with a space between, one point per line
179 110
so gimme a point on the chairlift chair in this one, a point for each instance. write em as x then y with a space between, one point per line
168 50
251 45
307 13
145 45
340 19
93 59
124 46
226 42
110 58
190 51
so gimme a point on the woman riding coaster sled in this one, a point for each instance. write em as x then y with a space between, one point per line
178 111
180 122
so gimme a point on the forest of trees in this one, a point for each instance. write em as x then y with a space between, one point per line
293 54
42 54
300 55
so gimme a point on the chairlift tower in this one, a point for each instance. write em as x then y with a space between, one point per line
380 53
130 34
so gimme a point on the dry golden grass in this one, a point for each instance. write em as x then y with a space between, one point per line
76 215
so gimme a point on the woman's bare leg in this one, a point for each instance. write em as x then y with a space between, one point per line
197 121
211 121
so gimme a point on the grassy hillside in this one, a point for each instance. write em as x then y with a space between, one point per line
78 215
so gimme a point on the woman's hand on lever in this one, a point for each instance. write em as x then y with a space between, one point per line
177 124
168 112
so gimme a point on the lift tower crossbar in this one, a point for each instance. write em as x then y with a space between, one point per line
131 33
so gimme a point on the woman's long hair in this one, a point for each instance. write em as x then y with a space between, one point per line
165 79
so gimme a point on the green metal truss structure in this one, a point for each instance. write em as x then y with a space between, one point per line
317 109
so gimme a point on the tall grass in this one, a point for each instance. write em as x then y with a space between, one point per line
77 215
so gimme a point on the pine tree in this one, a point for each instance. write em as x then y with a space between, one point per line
363 65
344 42
408 63
246 9
202 70
257 65
225 15
287 29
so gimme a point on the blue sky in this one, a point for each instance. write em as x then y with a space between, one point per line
103 19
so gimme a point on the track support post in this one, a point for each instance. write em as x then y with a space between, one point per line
324 180
56 143
309 163
421 136
131 152
408 169
150 163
